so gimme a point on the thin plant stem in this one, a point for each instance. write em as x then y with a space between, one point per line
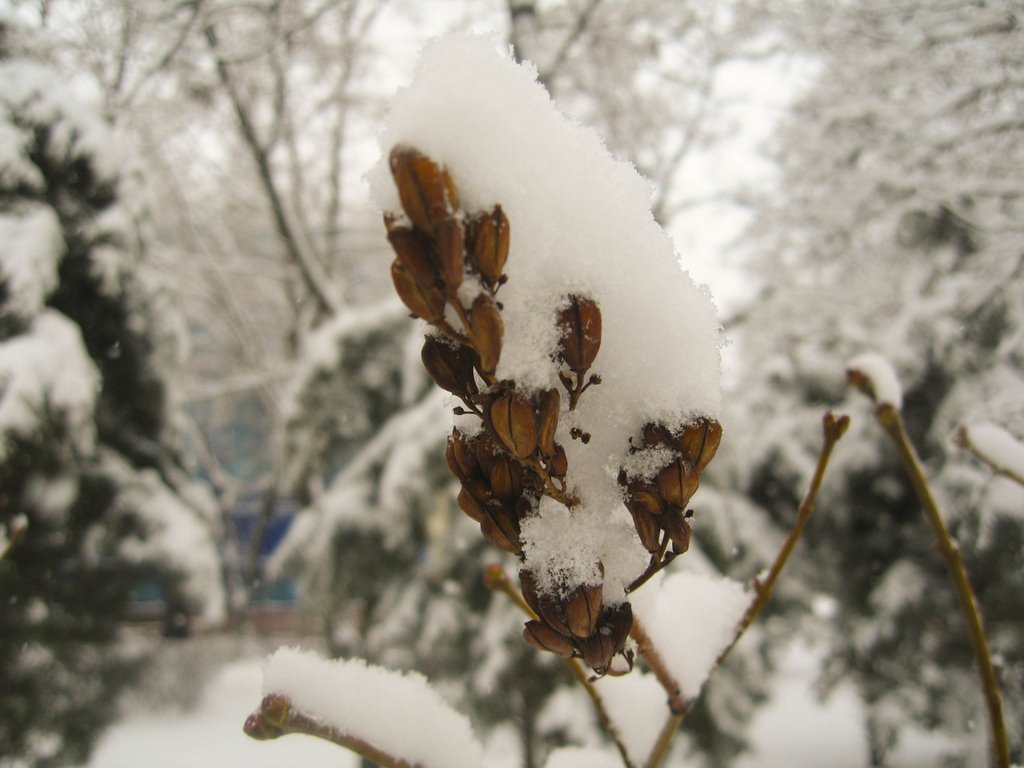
277 717
15 531
497 580
676 703
891 421
834 427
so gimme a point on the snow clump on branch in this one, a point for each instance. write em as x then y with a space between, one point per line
561 319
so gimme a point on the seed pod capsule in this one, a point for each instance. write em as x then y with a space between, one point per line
580 326
486 330
427 303
647 529
501 528
450 366
677 483
679 530
425 189
547 420
583 609
468 504
514 425
490 238
451 251
541 636
415 253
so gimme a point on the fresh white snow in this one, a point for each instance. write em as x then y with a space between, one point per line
637 706
880 374
48 367
690 617
399 713
997 446
31 247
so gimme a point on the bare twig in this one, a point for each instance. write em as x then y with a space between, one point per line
676 702
891 421
659 560
311 270
577 31
834 427
15 532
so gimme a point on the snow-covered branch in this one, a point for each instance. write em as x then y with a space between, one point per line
397 720
996 447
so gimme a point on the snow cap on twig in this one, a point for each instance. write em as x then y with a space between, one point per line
399 714
874 375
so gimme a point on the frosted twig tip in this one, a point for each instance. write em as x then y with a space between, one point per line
873 375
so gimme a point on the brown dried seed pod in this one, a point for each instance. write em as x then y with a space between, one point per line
490 234
450 366
677 483
552 612
451 251
620 620
558 464
501 529
486 453
656 436
598 651
427 303
416 254
583 609
514 424
643 497
547 420
424 188
469 505
646 528
465 454
712 439
479 490
506 480
678 529
459 457
580 327
541 636
486 330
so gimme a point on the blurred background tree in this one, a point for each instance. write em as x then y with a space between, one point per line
896 227
91 468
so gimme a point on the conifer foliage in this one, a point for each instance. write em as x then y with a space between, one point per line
90 489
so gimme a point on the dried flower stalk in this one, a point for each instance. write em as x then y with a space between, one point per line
508 466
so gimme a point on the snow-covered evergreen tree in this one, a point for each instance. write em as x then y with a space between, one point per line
89 476
897 230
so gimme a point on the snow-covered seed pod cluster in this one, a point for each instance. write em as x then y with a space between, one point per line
658 504
448 270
